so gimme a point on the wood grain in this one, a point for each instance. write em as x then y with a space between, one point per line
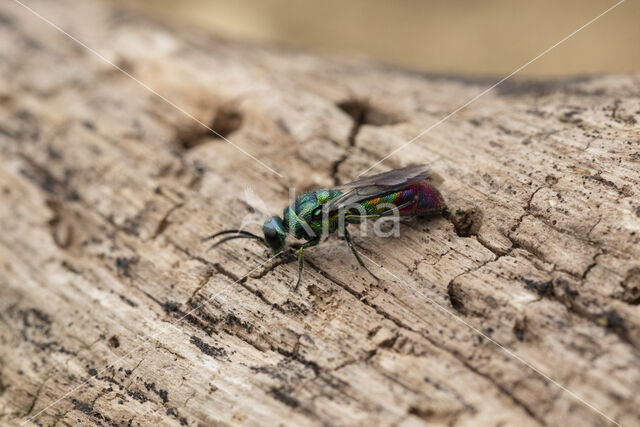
106 192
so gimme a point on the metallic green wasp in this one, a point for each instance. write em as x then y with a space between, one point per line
403 191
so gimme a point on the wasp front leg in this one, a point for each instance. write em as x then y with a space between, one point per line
301 258
347 237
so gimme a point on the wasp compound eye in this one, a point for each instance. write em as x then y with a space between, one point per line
271 235
274 234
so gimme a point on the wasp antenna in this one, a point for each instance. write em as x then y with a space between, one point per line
234 237
242 232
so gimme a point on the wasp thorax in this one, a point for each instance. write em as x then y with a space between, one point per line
274 233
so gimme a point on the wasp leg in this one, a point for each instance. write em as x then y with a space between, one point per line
347 237
301 258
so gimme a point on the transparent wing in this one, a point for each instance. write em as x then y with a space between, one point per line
251 198
376 185
403 176
260 209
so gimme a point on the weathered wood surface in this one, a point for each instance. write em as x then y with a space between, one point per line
106 192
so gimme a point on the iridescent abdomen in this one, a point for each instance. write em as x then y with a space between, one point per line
417 199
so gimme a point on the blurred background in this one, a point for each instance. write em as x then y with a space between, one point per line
487 37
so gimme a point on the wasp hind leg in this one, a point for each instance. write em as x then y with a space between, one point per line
347 237
301 258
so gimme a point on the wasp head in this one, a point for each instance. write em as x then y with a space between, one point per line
274 233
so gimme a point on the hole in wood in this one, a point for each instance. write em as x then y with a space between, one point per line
224 123
466 222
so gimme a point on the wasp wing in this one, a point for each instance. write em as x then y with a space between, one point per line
402 176
372 186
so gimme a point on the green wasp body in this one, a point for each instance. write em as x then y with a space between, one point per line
317 213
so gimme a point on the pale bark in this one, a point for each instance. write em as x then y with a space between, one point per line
106 192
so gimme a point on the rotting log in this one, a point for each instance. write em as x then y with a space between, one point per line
113 312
